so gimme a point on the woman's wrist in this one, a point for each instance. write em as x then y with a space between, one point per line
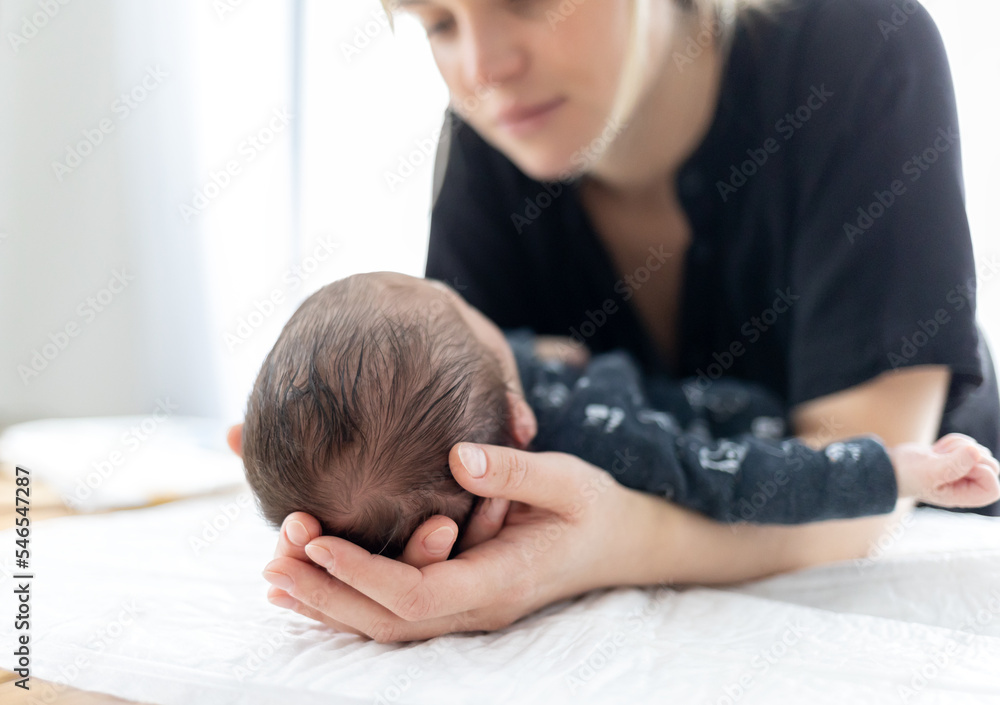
678 546
649 548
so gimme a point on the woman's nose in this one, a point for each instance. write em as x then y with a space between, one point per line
492 54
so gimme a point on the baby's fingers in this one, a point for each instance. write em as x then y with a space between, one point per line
976 488
949 442
984 486
960 461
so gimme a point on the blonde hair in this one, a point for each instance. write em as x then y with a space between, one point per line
715 18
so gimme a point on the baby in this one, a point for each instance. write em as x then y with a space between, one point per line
376 376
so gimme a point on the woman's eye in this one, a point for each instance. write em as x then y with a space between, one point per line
439 27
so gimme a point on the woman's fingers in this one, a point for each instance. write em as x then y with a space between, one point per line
431 542
435 591
550 481
485 522
297 530
330 601
323 593
280 598
523 424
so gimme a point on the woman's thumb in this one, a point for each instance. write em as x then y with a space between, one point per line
544 480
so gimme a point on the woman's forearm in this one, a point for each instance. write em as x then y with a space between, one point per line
683 547
899 407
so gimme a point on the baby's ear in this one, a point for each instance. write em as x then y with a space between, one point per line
523 424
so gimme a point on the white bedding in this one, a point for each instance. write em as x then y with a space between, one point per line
160 618
116 462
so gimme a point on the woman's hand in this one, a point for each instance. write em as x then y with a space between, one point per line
571 528
430 543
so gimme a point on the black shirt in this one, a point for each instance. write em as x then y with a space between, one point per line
829 234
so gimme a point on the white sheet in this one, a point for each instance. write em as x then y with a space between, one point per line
161 618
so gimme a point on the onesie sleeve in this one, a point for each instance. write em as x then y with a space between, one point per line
602 415
881 258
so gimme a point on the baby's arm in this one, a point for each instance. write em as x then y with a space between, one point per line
954 472
603 415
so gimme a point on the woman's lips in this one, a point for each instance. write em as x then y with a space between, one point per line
520 121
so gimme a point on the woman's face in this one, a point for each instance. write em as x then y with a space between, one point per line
535 78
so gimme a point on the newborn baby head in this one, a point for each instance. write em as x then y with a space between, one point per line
371 382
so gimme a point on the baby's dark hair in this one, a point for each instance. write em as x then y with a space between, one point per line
357 406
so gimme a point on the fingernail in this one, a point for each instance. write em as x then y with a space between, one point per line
320 556
285 601
279 580
297 533
439 540
473 458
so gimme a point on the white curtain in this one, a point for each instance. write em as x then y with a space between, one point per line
139 201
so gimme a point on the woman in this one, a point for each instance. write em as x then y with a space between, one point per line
774 194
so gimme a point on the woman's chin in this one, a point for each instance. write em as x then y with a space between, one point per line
547 167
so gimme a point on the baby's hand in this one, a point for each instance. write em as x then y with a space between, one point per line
954 472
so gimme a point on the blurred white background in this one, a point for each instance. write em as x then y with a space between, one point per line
218 170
